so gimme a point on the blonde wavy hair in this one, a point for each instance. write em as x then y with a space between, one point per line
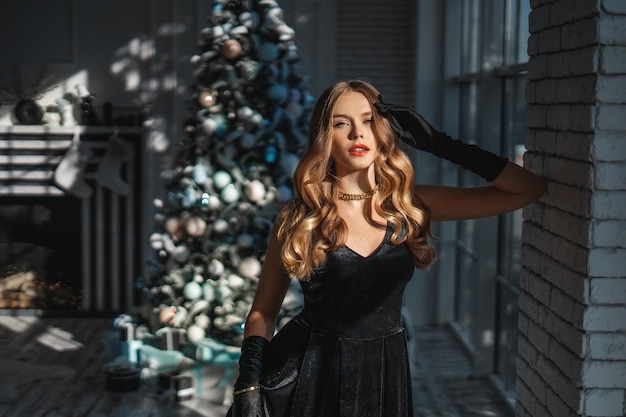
310 225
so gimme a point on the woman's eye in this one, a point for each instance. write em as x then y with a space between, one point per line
341 124
368 121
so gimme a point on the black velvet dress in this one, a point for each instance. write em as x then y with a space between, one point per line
348 341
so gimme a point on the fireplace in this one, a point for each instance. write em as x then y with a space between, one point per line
40 253
72 243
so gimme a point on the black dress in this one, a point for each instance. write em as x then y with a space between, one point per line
348 343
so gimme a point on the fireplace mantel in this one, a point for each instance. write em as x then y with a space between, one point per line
110 221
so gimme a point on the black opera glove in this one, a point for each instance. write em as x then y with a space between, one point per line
415 131
247 394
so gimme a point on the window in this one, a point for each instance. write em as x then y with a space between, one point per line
489 92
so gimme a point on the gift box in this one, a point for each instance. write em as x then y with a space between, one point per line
177 386
214 383
215 369
130 345
155 361
171 338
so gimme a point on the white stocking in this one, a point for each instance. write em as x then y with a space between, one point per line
109 171
70 173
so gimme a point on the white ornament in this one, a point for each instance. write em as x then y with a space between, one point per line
181 253
236 282
254 190
230 194
195 226
220 226
209 292
215 267
192 290
195 333
245 240
221 179
250 267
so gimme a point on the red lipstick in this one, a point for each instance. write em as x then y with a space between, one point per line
358 150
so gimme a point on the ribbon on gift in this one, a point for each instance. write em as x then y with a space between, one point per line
211 352
157 360
171 338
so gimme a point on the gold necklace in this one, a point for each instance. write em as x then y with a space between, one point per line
352 197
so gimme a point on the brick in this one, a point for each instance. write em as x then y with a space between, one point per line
566 307
584 61
537 64
549 40
529 306
571 199
539 338
532 213
558 117
539 19
609 146
577 89
607 262
605 319
607 346
608 205
573 228
530 92
561 385
613 59
533 45
611 89
570 172
525 396
545 141
609 233
531 257
614 6
565 333
582 118
580 34
603 402
611 117
527 351
610 176
575 145
608 291
567 362
561 12
547 91
604 374
569 256
536 286
611 30
584 8
560 65
537 385
536 116
558 407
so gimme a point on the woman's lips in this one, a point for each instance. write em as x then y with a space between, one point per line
358 150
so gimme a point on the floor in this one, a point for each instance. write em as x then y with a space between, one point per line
53 367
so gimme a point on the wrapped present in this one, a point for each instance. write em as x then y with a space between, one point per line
174 385
171 338
215 369
130 345
154 361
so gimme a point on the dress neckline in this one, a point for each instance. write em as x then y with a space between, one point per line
377 249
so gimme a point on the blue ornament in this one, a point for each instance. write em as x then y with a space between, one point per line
189 197
270 154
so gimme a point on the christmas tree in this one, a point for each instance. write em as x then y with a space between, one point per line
232 171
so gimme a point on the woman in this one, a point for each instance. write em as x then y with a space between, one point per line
352 235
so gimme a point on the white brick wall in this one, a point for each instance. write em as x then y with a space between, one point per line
572 322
